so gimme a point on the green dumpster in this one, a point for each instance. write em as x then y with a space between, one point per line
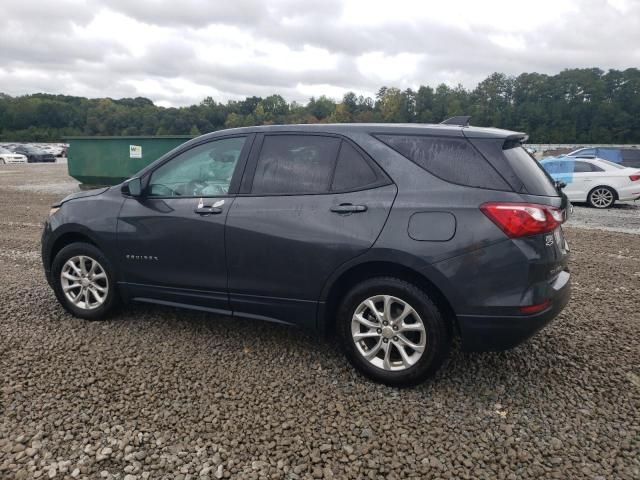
110 160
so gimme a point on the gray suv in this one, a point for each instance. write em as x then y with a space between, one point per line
395 238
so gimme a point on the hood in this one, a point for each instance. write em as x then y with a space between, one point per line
83 194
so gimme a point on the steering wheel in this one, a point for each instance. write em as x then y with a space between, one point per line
194 187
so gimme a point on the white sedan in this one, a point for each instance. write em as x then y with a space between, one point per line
595 181
7 157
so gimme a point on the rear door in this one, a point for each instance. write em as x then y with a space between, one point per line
308 204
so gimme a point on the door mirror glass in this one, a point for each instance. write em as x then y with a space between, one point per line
135 187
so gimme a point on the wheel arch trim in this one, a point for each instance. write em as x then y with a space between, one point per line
384 262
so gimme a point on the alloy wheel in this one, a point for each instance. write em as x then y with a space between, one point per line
602 197
388 332
84 282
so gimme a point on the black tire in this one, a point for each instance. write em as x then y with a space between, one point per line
87 250
597 194
438 338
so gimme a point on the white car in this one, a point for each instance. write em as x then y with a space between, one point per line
7 156
595 181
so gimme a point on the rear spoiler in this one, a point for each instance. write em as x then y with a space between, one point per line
515 139
462 121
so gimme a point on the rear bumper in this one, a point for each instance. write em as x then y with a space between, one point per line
483 333
632 192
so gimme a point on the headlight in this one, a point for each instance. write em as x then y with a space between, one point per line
53 211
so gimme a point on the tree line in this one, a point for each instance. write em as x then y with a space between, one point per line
574 106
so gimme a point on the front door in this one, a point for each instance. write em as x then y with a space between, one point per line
314 203
171 239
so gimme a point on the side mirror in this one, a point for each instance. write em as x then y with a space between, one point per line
134 187
560 184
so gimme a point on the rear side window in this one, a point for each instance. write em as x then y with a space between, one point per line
290 164
451 159
352 170
535 179
584 167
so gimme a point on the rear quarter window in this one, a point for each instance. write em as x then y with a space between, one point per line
535 179
454 160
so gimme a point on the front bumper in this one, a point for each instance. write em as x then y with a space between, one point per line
483 333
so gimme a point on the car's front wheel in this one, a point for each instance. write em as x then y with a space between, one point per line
392 332
83 281
602 197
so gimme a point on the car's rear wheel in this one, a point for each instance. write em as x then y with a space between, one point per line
392 332
83 281
602 197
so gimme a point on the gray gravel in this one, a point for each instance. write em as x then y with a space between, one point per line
161 393
623 217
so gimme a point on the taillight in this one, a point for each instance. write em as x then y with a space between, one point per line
523 219
635 177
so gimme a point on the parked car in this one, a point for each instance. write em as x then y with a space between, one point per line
394 237
34 154
7 157
52 148
596 181
627 157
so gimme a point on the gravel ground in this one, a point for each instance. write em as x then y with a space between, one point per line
161 393
624 217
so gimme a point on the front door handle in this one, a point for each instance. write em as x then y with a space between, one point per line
214 209
208 210
348 208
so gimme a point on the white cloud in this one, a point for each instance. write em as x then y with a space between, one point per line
178 52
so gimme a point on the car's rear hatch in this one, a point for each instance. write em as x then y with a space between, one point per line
548 250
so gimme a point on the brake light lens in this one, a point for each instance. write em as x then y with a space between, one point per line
523 219
635 177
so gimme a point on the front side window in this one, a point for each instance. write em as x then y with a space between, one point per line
295 164
203 171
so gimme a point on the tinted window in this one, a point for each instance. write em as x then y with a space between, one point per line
451 159
201 171
536 180
584 167
295 164
352 170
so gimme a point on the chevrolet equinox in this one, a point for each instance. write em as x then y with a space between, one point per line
396 238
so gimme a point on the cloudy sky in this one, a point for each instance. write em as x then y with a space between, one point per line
177 52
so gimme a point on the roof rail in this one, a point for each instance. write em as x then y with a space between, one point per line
462 121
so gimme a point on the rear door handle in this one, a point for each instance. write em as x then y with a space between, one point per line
348 208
